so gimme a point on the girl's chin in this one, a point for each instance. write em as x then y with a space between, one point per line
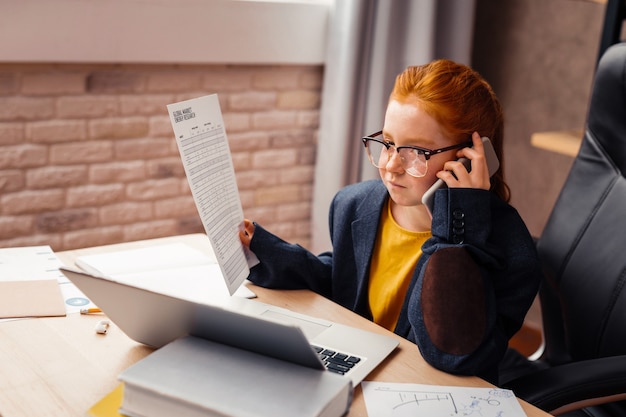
402 199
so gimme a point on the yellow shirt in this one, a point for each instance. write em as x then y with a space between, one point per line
396 253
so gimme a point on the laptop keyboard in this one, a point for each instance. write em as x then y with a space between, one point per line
337 362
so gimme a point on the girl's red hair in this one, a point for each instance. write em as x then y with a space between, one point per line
461 101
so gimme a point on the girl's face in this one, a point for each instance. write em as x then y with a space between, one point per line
407 124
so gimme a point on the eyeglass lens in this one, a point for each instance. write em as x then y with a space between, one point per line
413 162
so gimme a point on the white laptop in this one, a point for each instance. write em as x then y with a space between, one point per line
156 319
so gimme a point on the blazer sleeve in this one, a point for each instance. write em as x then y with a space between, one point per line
288 266
475 282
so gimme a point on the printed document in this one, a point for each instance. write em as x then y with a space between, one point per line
203 147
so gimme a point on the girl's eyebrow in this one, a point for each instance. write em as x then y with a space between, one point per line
420 142
387 138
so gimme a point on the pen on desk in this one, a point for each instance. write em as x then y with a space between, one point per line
90 310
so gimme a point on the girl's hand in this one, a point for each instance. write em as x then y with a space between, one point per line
479 175
246 230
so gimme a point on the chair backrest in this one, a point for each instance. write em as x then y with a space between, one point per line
583 246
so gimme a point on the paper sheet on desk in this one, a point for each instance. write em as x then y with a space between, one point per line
415 400
175 269
203 146
29 283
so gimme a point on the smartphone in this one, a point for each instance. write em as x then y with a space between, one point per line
428 199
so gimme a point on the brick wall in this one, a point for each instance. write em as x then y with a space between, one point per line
88 157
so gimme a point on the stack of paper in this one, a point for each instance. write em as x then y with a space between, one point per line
29 283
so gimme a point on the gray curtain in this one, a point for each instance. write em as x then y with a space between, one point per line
369 43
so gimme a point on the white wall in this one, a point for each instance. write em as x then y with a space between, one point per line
164 31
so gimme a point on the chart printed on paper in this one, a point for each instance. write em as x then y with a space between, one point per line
404 400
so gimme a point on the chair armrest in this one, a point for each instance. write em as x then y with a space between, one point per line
574 385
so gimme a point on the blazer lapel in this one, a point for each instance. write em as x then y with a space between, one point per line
364 229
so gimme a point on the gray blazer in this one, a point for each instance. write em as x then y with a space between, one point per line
470 290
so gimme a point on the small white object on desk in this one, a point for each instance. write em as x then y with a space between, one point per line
102 326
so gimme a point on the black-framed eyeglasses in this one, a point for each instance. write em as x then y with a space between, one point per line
413 158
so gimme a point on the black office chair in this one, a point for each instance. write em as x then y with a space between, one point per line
583 251
614 18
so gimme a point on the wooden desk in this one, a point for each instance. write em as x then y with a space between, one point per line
61 367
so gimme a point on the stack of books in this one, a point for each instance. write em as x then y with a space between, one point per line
195 377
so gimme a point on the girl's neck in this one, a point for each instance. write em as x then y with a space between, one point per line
414 218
